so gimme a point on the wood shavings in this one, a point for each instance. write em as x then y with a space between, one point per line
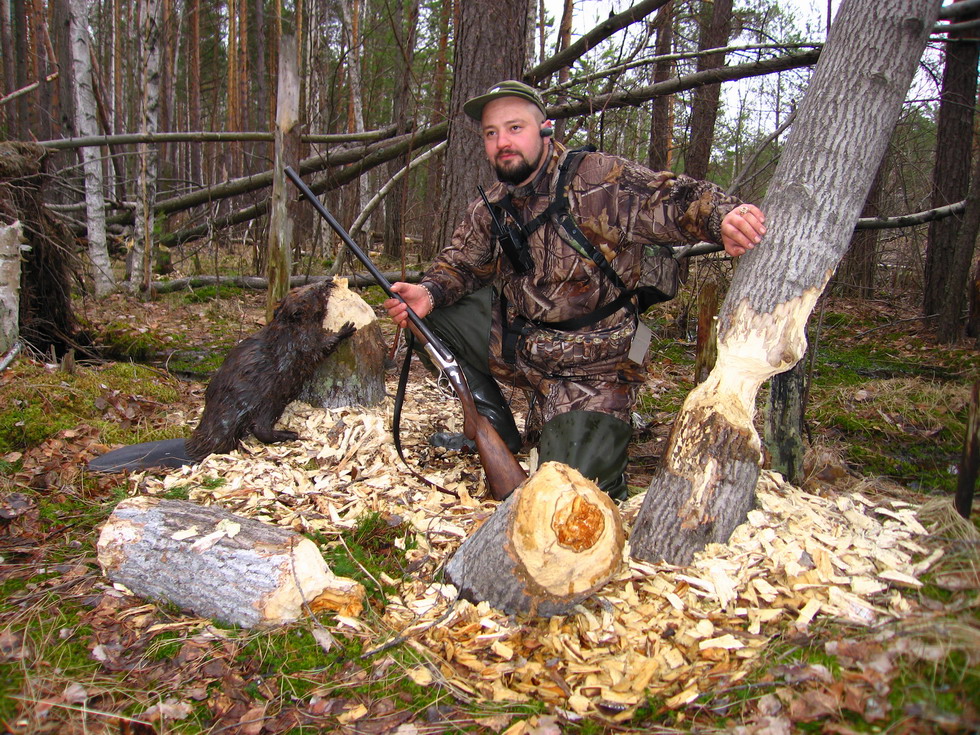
671 631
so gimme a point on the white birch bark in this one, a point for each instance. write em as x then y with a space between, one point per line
86 122
10 239
150 12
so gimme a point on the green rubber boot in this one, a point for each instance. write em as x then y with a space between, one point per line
593 443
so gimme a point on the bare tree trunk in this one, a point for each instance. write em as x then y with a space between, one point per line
404 32
484 56
951 175
194 85
437 172
142 253
9 74
87 124
856 276
783 434
351 10
661 121
706 483
949 327
284 207
11 237
704 107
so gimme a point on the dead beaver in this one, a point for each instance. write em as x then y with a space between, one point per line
257 380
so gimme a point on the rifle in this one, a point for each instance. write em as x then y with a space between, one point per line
504 473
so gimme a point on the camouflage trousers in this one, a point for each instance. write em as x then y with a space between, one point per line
559 371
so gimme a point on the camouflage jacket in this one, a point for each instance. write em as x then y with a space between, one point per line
619 205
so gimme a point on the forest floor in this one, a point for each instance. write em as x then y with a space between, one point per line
885 426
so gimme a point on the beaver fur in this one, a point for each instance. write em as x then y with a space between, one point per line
265 372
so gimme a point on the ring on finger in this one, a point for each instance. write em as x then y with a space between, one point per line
743 210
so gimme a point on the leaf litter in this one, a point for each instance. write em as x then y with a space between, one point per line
679 634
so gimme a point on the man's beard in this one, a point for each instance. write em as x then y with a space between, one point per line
521 171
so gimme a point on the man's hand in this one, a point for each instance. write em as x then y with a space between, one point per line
742 229
415 296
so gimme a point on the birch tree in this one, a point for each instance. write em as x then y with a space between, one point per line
706 484
142 254
86 123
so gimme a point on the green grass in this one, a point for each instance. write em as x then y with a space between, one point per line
116 399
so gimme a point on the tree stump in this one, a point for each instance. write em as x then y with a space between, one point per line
354 374
555 541
10 237
219 565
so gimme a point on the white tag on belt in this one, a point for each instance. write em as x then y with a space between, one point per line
641 343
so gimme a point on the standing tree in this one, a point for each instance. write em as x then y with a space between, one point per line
706 483
716 26
951 181
86 123
142 254
484 56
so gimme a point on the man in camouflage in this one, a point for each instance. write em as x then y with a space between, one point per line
582 381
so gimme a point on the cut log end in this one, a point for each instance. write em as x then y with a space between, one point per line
549 546
218 565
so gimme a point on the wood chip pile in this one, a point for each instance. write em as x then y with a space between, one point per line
671 631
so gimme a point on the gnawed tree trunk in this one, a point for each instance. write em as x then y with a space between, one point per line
279 263
551 544
10 239
86 123
706 484
355 373
219 565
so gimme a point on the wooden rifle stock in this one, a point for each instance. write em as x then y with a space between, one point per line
504 473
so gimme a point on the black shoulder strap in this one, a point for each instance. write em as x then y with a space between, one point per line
559 209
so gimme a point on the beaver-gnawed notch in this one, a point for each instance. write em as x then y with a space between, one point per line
47 320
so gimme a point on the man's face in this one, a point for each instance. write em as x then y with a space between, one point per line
512 139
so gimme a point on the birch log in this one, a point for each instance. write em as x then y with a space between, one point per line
10 239
705 486
553 542
86 123
219 565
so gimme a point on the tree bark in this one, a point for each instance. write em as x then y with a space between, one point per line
969 468
705 486
87 124
284 207
949 327
194 87
10 239
783 433
856 276
355 373
951 174
715 30
142 252
661 120
548 546
484 56
219 565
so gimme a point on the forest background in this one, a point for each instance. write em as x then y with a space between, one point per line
162 126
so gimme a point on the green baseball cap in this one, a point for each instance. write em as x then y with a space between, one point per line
510 88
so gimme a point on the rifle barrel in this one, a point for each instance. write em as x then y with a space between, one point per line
425 333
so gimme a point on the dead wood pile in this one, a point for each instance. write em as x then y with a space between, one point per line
670 631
